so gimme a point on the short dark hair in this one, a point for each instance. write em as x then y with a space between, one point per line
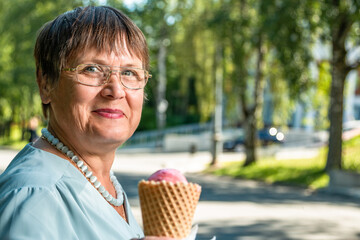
102 27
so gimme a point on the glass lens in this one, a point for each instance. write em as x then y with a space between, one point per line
97 75
133 77
92 74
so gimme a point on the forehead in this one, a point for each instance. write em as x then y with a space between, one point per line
117 50
94 55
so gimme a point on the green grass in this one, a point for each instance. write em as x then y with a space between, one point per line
351 154
302 172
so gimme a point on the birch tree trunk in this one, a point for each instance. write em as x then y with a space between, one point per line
217 128
252 114
161 92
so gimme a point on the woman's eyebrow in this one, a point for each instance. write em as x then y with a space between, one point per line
104 62
93 60
131 65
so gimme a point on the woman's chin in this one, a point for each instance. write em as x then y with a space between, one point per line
114 138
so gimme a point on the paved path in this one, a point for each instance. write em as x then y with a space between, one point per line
247 210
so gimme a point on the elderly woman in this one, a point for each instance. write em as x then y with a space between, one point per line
91 68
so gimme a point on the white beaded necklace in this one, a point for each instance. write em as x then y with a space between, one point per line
88 174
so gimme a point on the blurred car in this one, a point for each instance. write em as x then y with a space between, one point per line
270 135
265 135
235 145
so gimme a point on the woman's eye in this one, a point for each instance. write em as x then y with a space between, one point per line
129 73
92 69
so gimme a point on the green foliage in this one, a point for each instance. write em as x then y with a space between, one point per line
320 97
288 28
13 141
191 30
277 87
19 23
193 48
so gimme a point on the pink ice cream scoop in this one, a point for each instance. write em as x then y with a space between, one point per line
168 175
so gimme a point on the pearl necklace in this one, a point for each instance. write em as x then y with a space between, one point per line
87 173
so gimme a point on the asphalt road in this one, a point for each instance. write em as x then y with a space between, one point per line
238 209
248 210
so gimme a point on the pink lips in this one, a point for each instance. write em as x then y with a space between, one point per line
110 113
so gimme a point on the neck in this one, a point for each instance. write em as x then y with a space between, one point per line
100 167
98 159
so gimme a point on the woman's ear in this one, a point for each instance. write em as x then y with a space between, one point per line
44 87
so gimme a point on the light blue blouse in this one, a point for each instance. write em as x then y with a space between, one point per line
43 196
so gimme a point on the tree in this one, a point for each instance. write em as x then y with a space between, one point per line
19 99
270 42
339 18
253 37
157 20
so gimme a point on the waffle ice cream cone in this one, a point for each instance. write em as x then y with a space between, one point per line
168 208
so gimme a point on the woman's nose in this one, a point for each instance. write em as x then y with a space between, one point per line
114 88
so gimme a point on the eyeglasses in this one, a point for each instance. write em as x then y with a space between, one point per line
98 75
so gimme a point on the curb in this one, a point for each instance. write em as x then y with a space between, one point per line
342 191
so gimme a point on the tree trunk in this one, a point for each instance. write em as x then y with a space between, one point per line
252 115
250 139
217 128
336 114
339 72
161 102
